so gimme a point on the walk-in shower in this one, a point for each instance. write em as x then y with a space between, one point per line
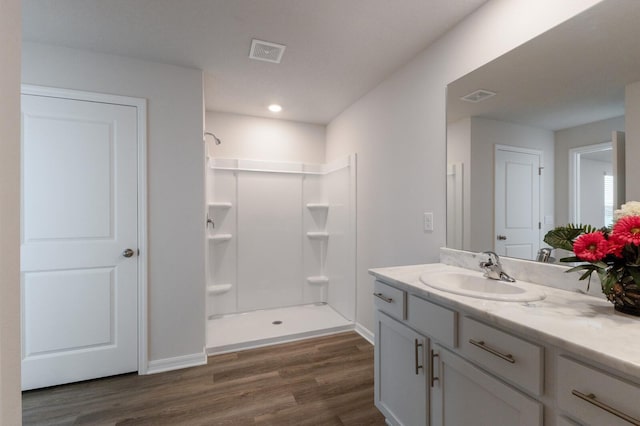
281 251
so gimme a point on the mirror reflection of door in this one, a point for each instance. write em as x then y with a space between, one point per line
594 192
517 201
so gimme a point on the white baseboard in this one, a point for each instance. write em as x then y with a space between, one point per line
218 350
364 332
176 363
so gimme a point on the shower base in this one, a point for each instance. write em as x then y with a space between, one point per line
234 332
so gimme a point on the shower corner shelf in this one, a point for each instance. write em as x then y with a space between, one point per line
317 206
318 279
218 289
221 205
220 237
318 235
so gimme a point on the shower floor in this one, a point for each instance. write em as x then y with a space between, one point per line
254 329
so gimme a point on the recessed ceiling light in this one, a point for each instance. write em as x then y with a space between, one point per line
275 108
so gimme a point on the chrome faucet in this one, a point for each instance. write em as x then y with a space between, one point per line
544 255
493 268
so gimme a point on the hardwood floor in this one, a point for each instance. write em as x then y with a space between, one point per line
322 381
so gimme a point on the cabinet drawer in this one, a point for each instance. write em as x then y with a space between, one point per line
433 320
390 300
507 356
595 397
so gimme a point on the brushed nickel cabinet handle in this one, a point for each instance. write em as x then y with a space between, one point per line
591 399
418 366
383 297
432 378
480 344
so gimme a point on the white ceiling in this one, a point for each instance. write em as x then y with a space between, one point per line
337 50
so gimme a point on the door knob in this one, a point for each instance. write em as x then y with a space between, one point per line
128 253
502 237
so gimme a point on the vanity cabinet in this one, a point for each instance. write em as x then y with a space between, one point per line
594 397
463 394
416 384
400 372
487 363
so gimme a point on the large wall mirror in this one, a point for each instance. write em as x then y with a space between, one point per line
535 138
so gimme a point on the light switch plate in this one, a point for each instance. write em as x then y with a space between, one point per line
428 221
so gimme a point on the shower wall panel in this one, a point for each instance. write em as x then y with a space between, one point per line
269 240
313 220
222 294
340 256
284 235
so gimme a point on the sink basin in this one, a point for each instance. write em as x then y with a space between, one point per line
475 285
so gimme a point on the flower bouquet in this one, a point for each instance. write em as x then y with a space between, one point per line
613 253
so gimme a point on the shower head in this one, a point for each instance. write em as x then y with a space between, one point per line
215 138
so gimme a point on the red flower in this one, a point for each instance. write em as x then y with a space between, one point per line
627 229
615 245
591 247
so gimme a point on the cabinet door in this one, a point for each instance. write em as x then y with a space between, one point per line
400 372
465 395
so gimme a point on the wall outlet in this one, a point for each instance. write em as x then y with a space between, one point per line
428 221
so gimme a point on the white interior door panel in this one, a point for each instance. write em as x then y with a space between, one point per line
79 215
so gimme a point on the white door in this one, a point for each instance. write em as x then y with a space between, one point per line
79 215
517 202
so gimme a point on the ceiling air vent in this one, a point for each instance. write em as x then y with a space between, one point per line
478 96
266 51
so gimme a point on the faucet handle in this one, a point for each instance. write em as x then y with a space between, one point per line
494 259
486 264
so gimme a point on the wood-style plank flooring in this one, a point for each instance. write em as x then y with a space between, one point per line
322 381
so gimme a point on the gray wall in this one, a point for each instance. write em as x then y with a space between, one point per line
175 173
268 139
10 30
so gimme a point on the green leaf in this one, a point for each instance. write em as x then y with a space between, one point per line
587 229
562 237
586 275
588 267
608 281
571 259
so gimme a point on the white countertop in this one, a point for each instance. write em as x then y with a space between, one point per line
578 323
